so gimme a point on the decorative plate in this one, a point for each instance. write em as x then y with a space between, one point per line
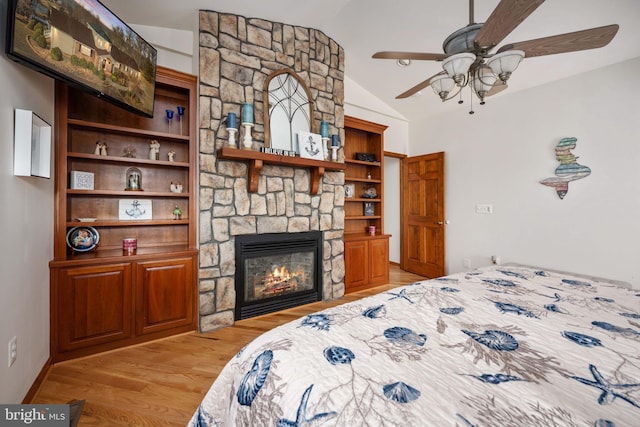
86 219
82 239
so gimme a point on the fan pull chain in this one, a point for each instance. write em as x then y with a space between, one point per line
471 97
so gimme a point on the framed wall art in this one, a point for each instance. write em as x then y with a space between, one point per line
32 145
310 145
349 191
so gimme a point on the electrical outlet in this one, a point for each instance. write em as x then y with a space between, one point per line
484 208
13 350
466 263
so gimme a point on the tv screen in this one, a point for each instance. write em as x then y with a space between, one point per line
84 44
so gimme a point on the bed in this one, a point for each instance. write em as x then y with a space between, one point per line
497 346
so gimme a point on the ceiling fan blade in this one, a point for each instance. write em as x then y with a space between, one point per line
504 19
418 56
417 88
497 88
569 42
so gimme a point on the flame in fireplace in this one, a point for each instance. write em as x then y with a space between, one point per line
280 280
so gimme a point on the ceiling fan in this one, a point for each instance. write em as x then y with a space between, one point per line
468 59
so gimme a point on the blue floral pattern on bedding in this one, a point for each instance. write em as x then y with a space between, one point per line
492 347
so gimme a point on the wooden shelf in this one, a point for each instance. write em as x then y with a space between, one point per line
116 223
367 180
127 131
366 256
124 193
257 159
352 237
134 160
363 217
118 255
362 162
362 199
107 298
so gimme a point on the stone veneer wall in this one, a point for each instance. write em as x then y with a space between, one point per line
236 56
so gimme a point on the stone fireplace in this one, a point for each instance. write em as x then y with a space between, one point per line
236 56
276 271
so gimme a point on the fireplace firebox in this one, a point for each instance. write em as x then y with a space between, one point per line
277 271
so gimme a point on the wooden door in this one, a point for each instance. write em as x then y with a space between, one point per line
164 295
379 261
93 305
423 228
356 259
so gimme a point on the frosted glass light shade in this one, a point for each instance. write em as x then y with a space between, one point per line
442 85
505 63
456 66
484 80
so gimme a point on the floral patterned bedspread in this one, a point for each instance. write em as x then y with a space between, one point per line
499 346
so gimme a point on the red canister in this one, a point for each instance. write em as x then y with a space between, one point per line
130 244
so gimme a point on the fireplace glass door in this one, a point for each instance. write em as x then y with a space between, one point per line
272 275
277 271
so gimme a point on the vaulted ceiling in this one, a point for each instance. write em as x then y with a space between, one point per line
364 27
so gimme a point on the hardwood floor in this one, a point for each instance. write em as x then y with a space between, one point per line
161 383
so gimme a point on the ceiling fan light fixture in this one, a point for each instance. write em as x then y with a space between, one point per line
403 62
483 81
457 66
442 85
505 63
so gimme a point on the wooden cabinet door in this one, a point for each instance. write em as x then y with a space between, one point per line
165 295
378 261
356 257
93 305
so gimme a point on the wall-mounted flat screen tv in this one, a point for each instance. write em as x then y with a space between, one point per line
84 44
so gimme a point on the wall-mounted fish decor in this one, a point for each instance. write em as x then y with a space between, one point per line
569 170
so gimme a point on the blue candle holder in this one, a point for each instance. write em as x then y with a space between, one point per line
247 113
169 118
335 145
324 129
180 109
231 120
231 129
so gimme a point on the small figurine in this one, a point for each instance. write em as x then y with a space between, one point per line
101 149
177 212
154 150
175 188
172 155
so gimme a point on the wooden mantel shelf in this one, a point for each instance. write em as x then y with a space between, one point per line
257 159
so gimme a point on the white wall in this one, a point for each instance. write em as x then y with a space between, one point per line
26 246
175 47
391 206
499 154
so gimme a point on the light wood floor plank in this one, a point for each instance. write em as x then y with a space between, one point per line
161 383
